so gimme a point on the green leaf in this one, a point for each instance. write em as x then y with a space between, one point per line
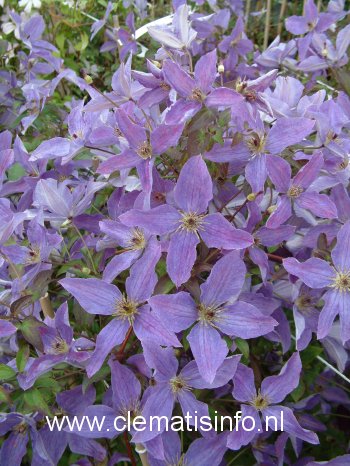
80 46
22 357
102 374
310 354
243 347
6 372
298 392
35 401
15 172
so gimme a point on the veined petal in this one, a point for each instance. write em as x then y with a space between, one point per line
148 327
225 281
220 233
176 311
178 78
319 204
288 131
202 340
94 295
341 252
333 302
127 159
160 220
277 387
181 256
315 272
194 188
165 136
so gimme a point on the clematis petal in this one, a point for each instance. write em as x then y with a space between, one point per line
288 424
202 339
277 387
319 204
315 272
181 256
94 295
160 220
176 311
288 131
341 252
193 193
111 335
244 320
225 281
220 233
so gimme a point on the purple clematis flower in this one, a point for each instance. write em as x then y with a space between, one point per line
188 222
217 311
317 273
99 297
154 80
207 451
71 403
144 145
310 23
21 428
59 347
198 91
134 242
298 191
172 387
274 389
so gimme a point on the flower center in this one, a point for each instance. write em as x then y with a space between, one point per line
206 314
197 95
177 384
256 143
59 346
295 191
145 150
33 255
20 428
137 240
126 310
260 402
191 221
164 86
341 282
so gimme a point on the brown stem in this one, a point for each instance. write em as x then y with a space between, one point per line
129 449
275 258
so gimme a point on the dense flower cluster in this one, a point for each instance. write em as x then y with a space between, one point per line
181 244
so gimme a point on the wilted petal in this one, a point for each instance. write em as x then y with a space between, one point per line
202 340
220 233
315 272
194 188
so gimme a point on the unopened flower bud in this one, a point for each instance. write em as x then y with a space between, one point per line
86 270
271 209
221 68
251 197
88 79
